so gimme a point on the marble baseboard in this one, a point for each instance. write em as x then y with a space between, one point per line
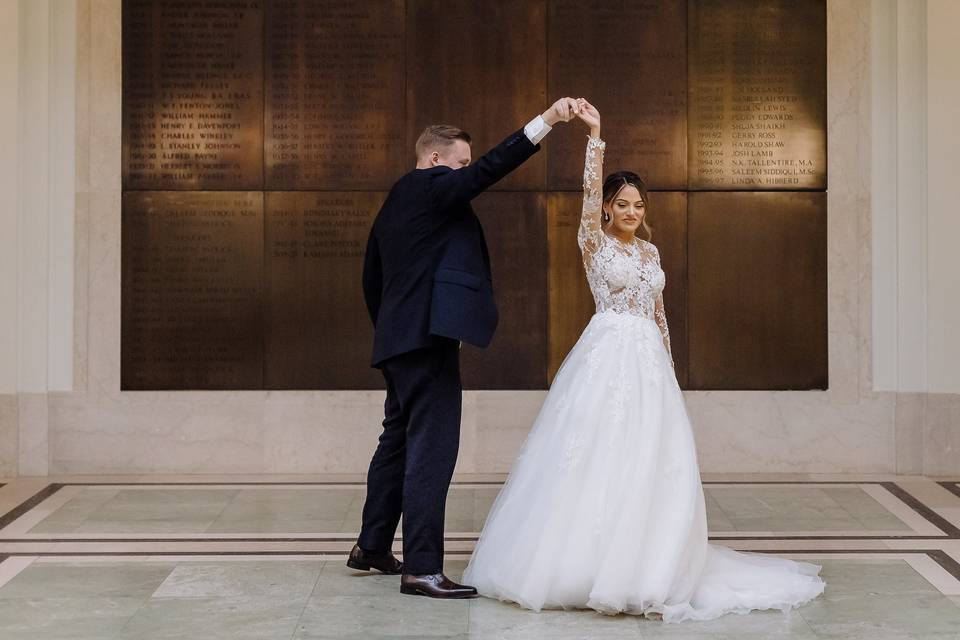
335 432
792 431
909 419
9 428
261 432
941 434
33 434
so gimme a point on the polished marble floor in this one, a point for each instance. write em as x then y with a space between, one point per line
263 557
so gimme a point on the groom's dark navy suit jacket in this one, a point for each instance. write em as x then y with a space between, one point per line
426 273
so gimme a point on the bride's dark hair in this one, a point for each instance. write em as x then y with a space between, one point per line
617 181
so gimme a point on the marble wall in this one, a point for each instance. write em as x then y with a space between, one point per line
943 224
97 429
9 162
9 424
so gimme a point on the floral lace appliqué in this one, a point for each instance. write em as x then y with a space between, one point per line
624 278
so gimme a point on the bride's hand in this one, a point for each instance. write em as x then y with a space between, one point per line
590 115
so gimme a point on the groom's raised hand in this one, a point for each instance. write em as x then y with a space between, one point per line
563 110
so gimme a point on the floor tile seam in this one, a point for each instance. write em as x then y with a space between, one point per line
23 567
29 504
130 618
306 602
52 488
922 565
40 512
881 495
886 511
350 537
723 511
331 556
86 518
947 561
951 485
236 494
906 507
922 509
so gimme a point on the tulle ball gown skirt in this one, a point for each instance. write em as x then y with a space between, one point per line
604 509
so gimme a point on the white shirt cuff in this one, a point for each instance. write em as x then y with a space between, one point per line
536 130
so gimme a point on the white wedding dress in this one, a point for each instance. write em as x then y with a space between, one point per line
604 508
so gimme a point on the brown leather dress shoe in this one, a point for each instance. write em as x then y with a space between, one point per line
365 560
435 586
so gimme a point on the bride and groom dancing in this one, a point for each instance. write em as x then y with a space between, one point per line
603 508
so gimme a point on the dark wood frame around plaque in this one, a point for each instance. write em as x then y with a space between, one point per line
315 104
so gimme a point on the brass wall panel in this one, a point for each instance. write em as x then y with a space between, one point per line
319 104
192 95
335 95
758 94
515 228
318 332
571 303
192 290
480 66
758 290
630 60
668 218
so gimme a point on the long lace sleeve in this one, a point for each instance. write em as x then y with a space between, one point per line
659 311
660 315
589 234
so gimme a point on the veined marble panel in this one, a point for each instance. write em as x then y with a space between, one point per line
9 426
910 417
941 434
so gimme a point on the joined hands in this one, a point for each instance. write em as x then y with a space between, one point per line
590 116
563 110
566 109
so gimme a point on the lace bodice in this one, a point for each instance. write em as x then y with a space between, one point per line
624 278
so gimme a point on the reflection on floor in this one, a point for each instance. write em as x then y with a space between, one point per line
256 557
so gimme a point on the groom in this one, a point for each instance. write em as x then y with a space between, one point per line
427 285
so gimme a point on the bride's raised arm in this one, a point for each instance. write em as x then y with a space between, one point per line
589 235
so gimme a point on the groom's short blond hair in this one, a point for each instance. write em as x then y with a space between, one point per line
437 136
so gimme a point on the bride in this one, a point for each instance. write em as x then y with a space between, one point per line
603 508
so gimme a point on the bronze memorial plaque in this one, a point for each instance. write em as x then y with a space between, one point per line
192 290
260 138
334 95
571 303
630 60
758 95
192 95
318 331
480 66
668 219
515 228
757 283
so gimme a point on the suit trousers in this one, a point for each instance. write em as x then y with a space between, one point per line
412 466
